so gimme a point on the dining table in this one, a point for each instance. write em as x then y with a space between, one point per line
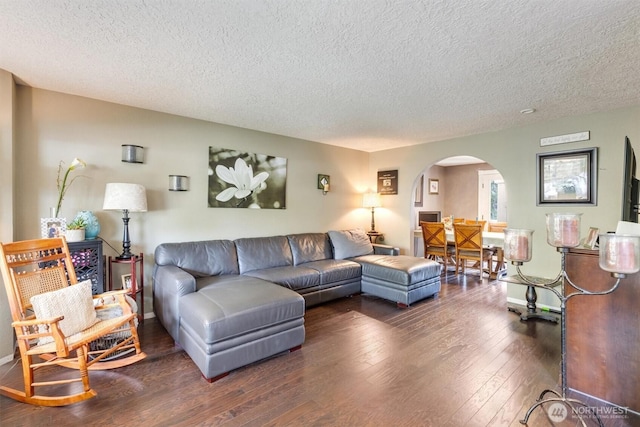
489 238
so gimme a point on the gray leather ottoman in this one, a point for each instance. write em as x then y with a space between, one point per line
403 279
237 320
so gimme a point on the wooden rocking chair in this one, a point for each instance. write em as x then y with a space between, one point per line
43 269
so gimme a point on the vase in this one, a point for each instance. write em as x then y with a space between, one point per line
92 227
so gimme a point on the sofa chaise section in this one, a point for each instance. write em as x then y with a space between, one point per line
238 320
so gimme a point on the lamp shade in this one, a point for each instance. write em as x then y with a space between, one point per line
122 196
371 200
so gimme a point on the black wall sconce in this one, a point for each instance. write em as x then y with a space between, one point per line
132 153
178 183
323 183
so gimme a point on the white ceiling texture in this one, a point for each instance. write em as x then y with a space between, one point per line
364 74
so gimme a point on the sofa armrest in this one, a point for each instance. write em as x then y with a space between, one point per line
385 250
170 283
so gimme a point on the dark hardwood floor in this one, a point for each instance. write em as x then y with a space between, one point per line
459 359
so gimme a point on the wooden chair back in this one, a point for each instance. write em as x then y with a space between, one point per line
433 234
33 267
468 243
497 226
468 236
436 247
476 222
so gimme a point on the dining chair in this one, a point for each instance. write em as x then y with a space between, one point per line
468 246
58 322
435 242
475 221
497 226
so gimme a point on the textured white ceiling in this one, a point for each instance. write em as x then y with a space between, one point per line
368 74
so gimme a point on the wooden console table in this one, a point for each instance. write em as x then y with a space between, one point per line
603 333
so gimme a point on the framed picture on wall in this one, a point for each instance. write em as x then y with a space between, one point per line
434 186
388 182
567 177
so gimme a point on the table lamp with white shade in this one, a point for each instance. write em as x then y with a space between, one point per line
372 200
126 198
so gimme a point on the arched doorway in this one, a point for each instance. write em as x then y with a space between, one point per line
460 187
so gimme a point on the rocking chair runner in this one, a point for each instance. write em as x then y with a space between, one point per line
37 267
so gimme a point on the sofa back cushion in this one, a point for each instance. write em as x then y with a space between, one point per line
257 253
309 247
350 243
205 258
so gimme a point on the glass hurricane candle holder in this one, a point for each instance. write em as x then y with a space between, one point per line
620 253
518 244
563 230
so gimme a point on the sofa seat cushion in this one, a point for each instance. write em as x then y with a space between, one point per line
295 278
401 269
233 308
335 270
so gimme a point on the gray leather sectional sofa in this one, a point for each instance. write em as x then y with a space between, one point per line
231 303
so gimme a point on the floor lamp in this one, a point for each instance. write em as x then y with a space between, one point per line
619 255
126 198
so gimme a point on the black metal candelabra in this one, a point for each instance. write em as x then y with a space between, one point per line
563 297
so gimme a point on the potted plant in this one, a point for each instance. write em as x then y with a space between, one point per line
75 230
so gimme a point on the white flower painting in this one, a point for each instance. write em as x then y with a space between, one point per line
246 180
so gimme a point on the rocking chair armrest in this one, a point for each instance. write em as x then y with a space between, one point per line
32 322
111 293
117 299
25 334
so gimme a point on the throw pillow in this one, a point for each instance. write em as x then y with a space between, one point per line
350 243
74 302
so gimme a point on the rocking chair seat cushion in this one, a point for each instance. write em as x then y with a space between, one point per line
74 302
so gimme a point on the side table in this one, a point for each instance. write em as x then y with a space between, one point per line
374 236
135 287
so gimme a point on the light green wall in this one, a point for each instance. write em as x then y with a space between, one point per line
52 127
7 95
513 153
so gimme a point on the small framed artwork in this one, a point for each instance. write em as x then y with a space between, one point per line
592 238
419 192
52 227
434 186
126 281
388 182
567 177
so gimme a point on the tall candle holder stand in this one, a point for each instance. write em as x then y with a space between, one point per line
620 255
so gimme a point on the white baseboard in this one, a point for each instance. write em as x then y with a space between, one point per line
6 359
523 303
149 315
